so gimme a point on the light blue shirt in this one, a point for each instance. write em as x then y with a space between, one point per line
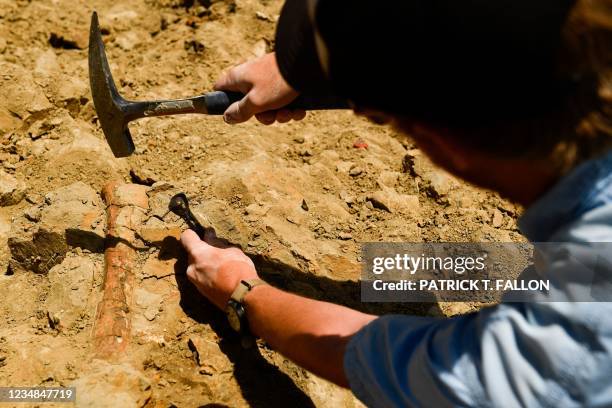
552 354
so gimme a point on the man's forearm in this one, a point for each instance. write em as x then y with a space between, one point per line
314 334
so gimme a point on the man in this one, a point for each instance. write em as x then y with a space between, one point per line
512 95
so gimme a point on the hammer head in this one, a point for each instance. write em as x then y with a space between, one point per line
111 108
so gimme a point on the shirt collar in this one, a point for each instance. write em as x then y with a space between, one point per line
586 187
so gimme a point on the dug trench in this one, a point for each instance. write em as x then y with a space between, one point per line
300 198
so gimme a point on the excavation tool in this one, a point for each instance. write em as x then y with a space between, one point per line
179 205
115 112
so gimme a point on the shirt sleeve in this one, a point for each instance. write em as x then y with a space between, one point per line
501 356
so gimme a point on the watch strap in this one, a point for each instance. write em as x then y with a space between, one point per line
244 287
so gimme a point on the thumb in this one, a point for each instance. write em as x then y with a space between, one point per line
192 243
240 111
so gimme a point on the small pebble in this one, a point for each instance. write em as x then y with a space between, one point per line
345 236
355 171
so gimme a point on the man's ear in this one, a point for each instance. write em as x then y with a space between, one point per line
442 147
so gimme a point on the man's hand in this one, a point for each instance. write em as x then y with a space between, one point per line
266 92
215 271
314 334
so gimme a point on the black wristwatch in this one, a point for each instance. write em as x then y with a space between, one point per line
235 310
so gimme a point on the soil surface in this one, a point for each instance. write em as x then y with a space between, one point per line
300 198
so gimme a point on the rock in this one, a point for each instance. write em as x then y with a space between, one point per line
46 65
5 227
345 236
344 196
194 46
440 183
305 152
326 394
109 385
157 268
482 216
69 40
450 309
355 171
7 121
332 208
436 181
498 219
391 201
209 356
71 283
21 96
132 194
34 198
54 320
33 213
201 11
73 216
159 198
122 16
128 40
304 205
340 267
226 222
344 166
40 128
148 302
299 139
12 191
77 212
155 232
38 253
256 211
279 254
72 92
388 179
84 157
263 16
150 314
158 187
329 158
143 176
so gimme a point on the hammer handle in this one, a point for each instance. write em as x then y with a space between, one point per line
217 102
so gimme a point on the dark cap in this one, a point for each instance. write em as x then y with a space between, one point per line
452 61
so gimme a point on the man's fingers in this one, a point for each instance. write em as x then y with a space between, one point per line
283 115
298 114
240 111
267 118
233 80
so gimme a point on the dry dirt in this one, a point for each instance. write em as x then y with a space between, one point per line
299 197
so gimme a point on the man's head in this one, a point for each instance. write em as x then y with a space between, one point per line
573 124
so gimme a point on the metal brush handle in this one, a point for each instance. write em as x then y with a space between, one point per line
179 205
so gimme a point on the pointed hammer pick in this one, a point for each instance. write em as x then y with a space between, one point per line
115 112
